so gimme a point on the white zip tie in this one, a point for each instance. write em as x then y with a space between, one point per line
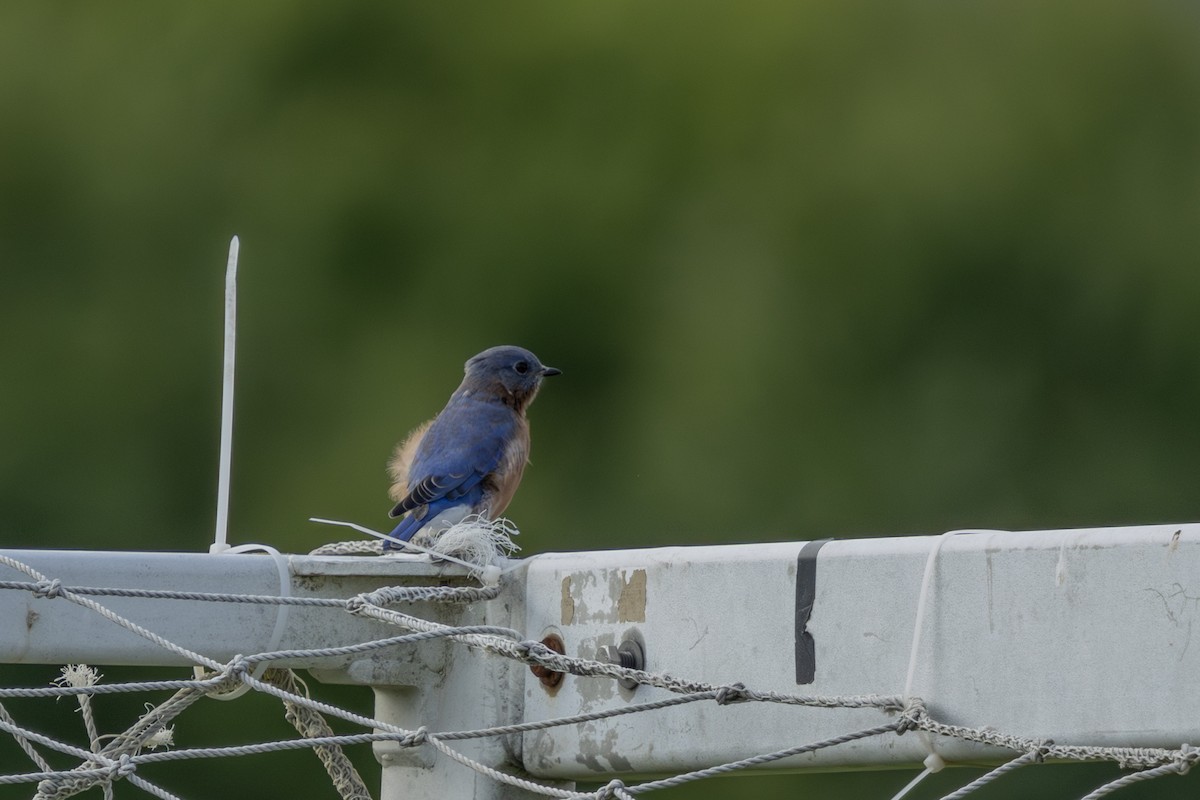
220 541
281 614
933 762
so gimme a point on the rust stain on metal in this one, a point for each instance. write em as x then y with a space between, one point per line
568 602
631 604
549 678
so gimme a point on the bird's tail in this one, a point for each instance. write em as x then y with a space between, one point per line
403 531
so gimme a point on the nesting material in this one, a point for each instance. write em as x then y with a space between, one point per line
476 540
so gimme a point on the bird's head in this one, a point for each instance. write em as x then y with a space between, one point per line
512 373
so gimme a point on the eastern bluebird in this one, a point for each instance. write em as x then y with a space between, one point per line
470 457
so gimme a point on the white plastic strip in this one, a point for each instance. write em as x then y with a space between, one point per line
281 614
220 541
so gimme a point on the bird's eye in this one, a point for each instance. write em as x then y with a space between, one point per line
521 367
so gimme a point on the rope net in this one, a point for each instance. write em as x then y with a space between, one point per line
112 758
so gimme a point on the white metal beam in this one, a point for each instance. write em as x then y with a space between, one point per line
54 631
1080 636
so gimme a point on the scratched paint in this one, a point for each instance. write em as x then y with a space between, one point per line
604 596
631 602
568 602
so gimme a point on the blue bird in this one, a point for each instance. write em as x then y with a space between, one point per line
470 457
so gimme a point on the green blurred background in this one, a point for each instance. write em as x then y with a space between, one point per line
810 270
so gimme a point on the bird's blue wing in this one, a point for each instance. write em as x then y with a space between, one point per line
438 487
465 443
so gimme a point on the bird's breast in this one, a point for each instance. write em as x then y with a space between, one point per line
507 476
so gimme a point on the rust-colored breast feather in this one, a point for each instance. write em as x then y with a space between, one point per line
507 477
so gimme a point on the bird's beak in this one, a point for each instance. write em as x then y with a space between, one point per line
548 371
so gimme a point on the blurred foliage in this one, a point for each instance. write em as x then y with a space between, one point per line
810 270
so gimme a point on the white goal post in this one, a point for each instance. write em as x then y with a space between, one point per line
1080 638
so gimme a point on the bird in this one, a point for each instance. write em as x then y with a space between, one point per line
469 459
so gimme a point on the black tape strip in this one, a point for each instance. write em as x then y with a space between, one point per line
806 595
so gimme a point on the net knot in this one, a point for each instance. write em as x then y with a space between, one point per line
1042 750
48 589
912 715
613 789
123 767
1187 758
734 693
415 739
359 603
237 669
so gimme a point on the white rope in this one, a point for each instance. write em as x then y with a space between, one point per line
1028 758
24 743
